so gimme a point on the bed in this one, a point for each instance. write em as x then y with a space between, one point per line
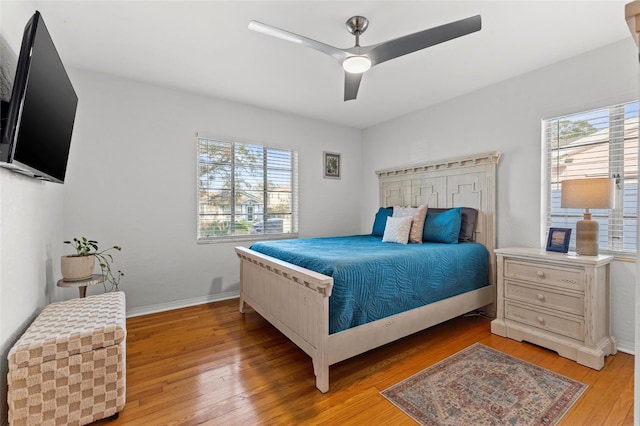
296 299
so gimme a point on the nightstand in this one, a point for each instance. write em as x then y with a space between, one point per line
556 300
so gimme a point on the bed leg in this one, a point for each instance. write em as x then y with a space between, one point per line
322 377
241 307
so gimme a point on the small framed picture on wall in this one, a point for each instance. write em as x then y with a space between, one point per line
559 239
331 165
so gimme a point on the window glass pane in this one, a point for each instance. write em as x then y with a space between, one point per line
215 201
246 181
249 167
249 206
214 225
278 180
214 151
215 176
277 158
279 202
273 225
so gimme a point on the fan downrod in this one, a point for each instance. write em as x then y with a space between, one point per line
356 25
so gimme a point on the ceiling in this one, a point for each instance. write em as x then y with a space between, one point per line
205 47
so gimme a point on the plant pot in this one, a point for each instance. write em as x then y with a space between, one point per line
76 268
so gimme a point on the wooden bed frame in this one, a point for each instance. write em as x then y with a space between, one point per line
296 300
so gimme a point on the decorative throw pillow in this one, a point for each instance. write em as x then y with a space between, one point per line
418 215
380 221
397 230
468 224
442 227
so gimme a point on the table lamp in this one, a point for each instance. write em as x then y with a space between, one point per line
597 193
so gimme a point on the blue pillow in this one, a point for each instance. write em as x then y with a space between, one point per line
442 227
380 222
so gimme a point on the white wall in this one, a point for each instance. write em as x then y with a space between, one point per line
131 181
30 237
30 250
507 117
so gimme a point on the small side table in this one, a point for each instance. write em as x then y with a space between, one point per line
82 284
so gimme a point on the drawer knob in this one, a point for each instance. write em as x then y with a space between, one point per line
540 274
541 320
541 297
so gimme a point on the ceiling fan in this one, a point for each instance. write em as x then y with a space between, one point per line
358 59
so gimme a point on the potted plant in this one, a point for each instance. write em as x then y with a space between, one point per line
80 266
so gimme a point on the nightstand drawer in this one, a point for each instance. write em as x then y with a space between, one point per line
566 326
540 296
540 273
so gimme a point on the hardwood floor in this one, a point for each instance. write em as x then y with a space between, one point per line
209 364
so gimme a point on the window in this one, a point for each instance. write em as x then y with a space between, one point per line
246 191
591 144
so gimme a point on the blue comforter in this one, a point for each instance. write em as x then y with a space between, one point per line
373 280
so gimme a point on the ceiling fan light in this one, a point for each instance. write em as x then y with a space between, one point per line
356 64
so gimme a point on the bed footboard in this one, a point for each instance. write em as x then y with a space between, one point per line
293 299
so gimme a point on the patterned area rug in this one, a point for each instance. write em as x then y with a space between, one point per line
483 386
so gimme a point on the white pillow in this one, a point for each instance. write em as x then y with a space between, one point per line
397 230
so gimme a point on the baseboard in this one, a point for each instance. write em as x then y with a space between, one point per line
626 347
152 309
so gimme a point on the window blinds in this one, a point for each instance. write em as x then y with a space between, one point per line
246 190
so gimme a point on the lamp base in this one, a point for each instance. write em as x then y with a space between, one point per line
587 236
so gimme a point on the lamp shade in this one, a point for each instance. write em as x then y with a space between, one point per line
597 193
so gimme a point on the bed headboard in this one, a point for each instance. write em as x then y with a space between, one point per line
458 182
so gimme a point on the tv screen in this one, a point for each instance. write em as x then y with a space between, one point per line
42 109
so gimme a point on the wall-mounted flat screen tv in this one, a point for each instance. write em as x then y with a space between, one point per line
36 135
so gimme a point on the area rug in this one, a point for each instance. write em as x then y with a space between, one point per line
482 386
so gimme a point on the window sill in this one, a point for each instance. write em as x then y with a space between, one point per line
619 256
623 257
250 237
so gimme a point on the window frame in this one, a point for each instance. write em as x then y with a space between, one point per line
616 156
294 193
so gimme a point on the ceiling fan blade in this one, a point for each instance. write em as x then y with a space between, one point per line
351 85
413 42
334 52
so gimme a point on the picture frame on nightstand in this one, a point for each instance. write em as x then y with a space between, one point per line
558 239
